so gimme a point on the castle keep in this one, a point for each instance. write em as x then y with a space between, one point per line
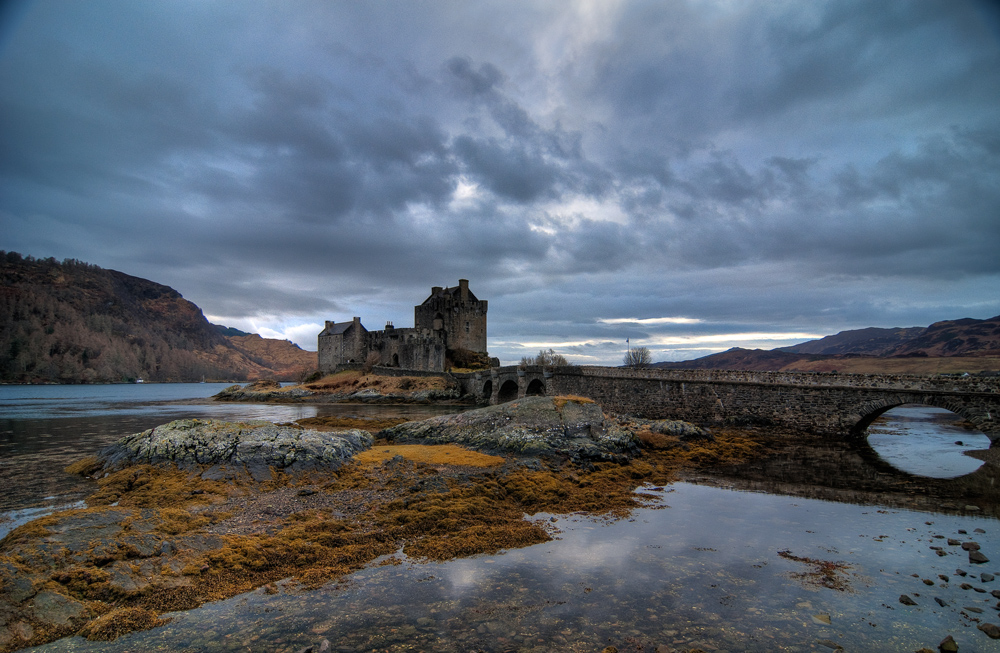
450 319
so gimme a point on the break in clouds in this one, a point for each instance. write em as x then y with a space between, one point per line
689 175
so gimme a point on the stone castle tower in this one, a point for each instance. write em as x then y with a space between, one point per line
450 319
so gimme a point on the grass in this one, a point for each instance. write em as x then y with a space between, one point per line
352 381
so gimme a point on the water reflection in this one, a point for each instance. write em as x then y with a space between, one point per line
702 571
927 441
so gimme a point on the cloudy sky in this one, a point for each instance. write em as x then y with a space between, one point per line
689 174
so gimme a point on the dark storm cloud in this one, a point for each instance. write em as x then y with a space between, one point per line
751 166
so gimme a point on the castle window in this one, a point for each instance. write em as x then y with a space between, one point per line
466 327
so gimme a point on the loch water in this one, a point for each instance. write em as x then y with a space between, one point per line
705 566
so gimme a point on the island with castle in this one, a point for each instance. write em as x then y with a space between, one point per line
450 320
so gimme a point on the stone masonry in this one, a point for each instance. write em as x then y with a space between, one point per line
450 318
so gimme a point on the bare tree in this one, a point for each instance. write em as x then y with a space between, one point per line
371 361
638 358
549 357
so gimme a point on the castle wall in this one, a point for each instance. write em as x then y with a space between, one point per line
461 316
449 318
412 349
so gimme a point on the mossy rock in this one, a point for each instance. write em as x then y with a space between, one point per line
533 427
253 447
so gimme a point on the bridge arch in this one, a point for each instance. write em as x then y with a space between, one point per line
508 392
872 410
488 390
535 389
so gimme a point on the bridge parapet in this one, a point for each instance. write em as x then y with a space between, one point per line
833 379
818 402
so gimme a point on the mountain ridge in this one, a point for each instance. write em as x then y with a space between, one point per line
950 346
74 322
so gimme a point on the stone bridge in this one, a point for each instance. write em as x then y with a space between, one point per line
824 403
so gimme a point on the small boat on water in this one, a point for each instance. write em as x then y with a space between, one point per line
139 381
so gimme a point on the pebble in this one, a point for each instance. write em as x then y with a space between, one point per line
977 557
960 572
928 581
986 578
970 546
990 629
906 600
941 602
948 645
973 609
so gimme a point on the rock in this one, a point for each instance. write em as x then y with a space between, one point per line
948 645
253 446
533 426
978 530
51 608
941 553
941 602
261 391
943 577
16 586
970 546
928 581
965 586
972 508
973 609
977 558
995 594
961 572
986 578
953 542
823 619
906 600
990 629
830 644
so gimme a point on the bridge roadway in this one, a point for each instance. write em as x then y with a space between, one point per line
824 403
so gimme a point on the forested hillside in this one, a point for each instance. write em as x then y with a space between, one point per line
72 322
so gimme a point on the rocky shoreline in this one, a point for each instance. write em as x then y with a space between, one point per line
372 392
198 510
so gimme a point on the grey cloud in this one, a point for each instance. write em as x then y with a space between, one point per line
470 81
830 164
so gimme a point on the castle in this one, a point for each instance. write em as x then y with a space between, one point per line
450 319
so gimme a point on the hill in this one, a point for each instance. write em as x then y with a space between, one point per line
72 322
949 347
872 341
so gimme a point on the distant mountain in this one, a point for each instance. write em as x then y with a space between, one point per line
739 359
872 341
955 345
966 337
72 322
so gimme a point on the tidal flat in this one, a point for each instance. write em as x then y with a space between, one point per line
727 554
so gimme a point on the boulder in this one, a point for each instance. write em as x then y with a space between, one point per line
533 426
253 446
